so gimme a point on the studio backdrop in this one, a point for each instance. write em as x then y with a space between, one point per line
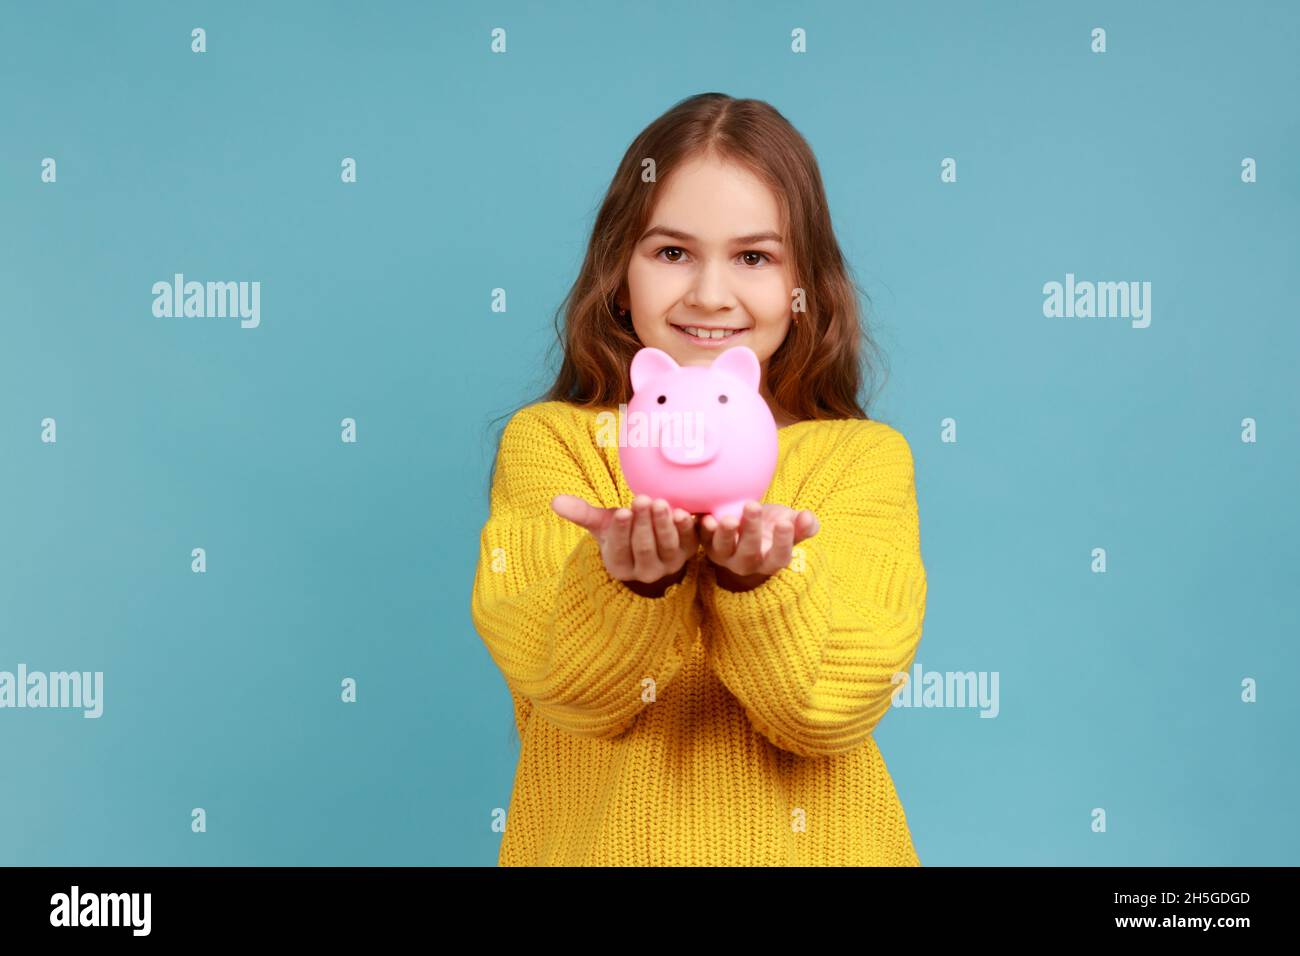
248 520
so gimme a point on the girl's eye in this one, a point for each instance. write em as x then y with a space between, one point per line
679 249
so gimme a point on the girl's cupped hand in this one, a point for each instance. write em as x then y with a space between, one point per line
749 550
646 544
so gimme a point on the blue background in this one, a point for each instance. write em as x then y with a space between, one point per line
475 171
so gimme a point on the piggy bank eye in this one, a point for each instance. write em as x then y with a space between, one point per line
722 399
662 399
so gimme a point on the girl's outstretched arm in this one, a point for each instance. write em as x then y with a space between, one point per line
575 643
812 651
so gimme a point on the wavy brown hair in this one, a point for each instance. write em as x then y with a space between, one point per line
818 371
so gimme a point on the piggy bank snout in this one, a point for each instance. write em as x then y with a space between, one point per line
689 440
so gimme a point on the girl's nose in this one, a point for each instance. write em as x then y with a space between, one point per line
709 290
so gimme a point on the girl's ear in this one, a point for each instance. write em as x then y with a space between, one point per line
740 361
648 364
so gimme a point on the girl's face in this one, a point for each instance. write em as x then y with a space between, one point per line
711 258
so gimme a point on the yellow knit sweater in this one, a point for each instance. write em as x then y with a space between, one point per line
705 727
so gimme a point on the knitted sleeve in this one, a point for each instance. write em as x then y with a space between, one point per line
811 651
572 641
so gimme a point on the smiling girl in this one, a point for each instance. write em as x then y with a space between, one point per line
688 692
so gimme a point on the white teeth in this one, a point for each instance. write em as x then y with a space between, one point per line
709 333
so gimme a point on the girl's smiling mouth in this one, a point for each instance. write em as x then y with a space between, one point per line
707 338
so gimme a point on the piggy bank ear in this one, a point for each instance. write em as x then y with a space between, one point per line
740 361
649 364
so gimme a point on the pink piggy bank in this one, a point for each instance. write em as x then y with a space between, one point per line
700 437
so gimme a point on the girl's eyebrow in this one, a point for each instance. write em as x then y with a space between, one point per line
687 237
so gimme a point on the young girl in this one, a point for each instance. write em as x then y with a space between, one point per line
688 692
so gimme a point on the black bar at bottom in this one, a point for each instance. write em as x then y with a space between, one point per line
369 904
